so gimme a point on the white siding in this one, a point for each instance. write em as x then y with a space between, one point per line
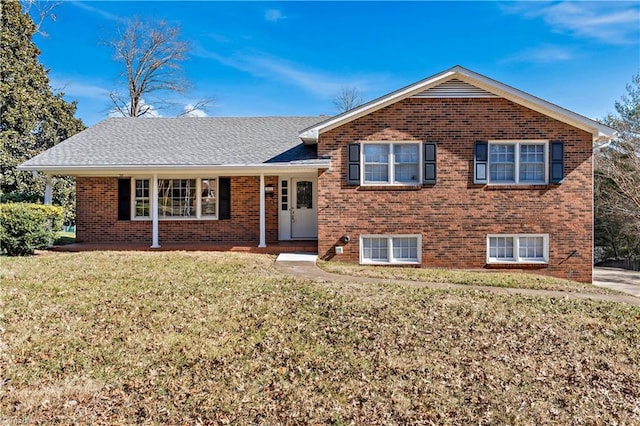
455 89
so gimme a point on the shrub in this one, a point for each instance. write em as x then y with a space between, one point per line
25 228
20 197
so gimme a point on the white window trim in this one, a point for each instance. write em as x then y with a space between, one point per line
517 144
198 215
391 261
391 163
133 198
516 249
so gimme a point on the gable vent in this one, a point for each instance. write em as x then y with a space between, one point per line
455 89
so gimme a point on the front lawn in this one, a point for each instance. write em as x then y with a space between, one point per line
459 276
200 338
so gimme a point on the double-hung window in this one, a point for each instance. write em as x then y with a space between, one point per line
208 198
522 162
391 163
177 198
382 249
141 200
521 248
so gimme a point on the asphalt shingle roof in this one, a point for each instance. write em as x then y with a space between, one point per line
183 141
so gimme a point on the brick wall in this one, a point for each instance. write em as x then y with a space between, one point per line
455 215
97 216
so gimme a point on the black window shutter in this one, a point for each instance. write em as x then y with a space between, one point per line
124 199
480 162
429 163
353 164
224 197
556 155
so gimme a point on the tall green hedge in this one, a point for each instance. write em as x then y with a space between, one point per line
25 228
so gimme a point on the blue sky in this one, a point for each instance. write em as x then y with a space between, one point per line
292 58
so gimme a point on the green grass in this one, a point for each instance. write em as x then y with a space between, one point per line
64 238
457 276
187 338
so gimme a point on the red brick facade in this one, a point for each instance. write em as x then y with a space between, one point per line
455 215
97 216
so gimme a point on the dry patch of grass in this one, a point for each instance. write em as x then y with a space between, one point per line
456 276
111 338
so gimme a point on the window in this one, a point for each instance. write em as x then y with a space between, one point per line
304 194
532 163
381 249
405 248
284 194
518 162
518 248
502 163
406 163
177 198
376 163
208 200
141 203
375 249
391 163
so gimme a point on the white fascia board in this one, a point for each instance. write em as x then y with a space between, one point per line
229 170
312 133
599 131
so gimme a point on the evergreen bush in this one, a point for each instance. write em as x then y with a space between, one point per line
25 228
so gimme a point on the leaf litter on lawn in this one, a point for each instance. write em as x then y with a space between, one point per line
225 338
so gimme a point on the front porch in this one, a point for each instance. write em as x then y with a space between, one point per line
275 247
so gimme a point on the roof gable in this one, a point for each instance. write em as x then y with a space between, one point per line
461 82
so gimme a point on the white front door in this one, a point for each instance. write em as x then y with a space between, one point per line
304 208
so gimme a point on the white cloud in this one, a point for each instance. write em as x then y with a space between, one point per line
73 88
608 22
190 111
104 14
541 55
282 70
274 15
150 110
219 38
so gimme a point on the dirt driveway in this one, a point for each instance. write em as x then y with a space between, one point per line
617 279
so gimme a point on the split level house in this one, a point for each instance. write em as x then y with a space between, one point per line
457 170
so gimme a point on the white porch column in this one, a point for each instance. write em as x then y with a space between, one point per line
154 212
48 191
263 232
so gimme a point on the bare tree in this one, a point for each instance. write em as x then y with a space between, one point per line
617 191
150 54
39 10
197 109
621 160
348 98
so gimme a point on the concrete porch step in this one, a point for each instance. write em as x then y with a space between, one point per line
297 257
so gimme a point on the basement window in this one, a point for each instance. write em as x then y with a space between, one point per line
521 248
390 249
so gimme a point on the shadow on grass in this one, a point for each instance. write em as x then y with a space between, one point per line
65 238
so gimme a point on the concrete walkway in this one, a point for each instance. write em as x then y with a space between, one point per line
617 279
309 270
